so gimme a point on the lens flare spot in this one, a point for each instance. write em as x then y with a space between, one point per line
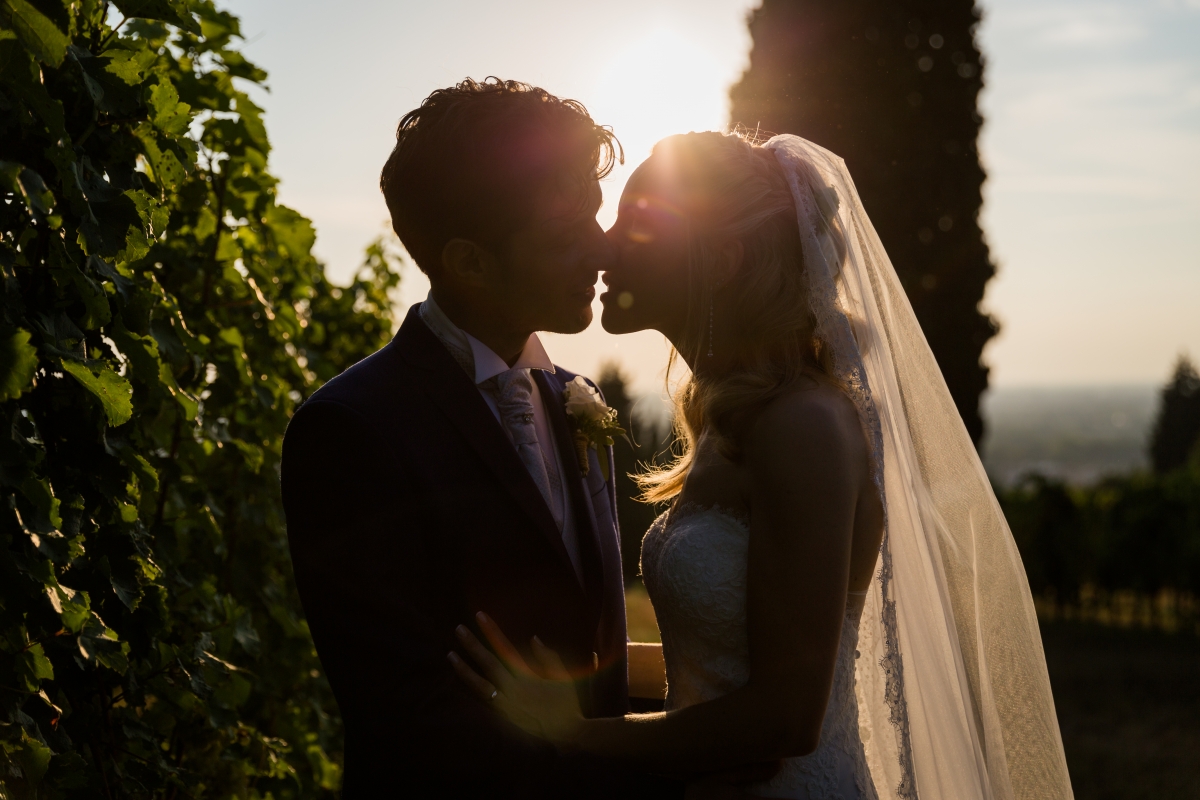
625 300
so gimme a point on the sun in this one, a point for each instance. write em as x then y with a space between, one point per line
659 84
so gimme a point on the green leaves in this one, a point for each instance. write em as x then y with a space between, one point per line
166 112
129 63
74 608
29 185
170 11
30 759
101 645
161 316
31 666
149 369
44 517
35 30
18 363
113 391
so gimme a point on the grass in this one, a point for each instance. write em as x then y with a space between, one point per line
1128 703
639 614
1128 706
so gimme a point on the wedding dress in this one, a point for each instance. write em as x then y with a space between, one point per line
940 689
694 568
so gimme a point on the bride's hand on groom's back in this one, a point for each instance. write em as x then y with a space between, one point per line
539 698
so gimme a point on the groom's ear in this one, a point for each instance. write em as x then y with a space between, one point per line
466 263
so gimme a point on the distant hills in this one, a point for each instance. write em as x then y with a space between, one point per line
1078 434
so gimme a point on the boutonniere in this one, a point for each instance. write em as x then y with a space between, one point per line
595 423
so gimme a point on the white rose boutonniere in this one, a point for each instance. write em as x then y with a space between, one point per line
595 423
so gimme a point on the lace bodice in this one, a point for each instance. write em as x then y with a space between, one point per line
694 567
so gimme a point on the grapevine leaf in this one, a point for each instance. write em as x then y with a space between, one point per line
100 645
129 65
170 11
113 391
104 269
89 292
45 516
31 757
23 77
18 363
167 113
94 89
35 30
126 590
32 667
76 609
58 329
73 607
142 352
27 183
129 264
166 168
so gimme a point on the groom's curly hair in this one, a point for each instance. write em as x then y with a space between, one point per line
469 159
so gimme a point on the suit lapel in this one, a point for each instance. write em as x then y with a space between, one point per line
551 388
454 394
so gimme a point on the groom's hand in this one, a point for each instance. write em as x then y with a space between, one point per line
540 698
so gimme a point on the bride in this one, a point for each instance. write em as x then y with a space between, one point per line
834 581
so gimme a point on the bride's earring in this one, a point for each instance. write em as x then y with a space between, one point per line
710 326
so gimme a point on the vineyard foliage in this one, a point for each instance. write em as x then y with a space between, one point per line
162 317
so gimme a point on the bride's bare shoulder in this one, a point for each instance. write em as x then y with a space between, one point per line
816 422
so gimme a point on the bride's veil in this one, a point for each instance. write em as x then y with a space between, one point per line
954 700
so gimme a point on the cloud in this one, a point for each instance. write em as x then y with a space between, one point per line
1070 24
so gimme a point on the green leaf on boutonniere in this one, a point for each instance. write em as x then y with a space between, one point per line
596 424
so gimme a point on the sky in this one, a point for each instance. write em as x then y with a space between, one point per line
1091 144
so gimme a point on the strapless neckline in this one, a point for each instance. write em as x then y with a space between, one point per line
854 599
694 568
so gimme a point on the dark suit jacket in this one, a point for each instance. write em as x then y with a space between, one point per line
408 510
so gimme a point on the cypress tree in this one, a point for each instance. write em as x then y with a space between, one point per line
1177 428
892 88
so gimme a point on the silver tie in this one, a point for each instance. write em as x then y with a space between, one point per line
514 397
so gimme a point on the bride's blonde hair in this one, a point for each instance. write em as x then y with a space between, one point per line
735 190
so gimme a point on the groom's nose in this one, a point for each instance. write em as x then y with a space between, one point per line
602 253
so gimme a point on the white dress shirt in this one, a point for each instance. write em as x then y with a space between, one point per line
482 364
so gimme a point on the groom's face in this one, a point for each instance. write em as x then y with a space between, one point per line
548 268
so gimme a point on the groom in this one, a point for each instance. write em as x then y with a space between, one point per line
439 476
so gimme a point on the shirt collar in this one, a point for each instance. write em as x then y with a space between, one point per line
484 361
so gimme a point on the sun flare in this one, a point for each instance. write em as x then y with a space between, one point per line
657 85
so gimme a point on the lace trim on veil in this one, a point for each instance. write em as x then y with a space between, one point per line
817 215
